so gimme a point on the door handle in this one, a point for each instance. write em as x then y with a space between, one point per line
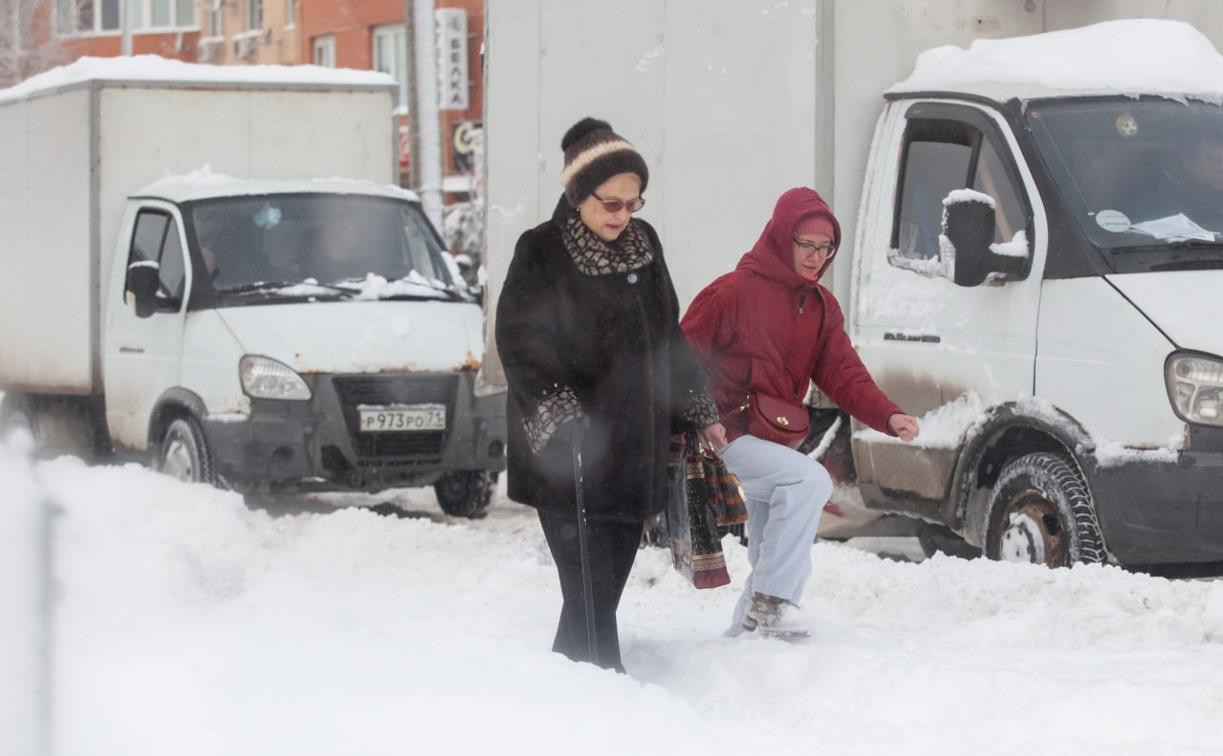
924 338
130 350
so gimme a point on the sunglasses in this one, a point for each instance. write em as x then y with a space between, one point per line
615 206
809 248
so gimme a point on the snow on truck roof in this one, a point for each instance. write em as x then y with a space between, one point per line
1127 57
203 183
153 69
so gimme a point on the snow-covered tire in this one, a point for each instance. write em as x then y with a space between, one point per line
183 453
466 493
1041 511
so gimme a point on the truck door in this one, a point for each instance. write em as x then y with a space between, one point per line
938 349
141 357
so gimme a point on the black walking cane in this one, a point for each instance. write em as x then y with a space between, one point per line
592 635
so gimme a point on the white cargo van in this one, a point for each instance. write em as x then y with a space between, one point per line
268 332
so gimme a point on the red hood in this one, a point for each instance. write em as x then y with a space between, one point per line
771 256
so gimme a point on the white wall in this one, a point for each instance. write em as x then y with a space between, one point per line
717 96
45 323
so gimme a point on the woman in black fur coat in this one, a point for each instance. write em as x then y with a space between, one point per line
587 330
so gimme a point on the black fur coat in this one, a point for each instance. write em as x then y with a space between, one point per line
602 346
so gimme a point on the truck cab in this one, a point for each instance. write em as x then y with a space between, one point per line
1038 274
303 335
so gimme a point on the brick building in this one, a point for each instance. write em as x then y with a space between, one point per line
168 28
370 34
366 34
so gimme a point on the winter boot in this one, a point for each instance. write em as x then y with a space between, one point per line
773 617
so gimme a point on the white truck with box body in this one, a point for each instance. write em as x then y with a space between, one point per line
1061 338
244 324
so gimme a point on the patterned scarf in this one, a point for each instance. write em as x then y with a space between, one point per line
595 257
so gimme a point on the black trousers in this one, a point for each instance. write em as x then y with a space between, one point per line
613 548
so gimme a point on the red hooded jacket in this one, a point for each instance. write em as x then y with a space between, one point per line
765 328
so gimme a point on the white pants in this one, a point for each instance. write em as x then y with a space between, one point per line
786 493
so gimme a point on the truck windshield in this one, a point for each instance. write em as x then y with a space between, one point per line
319 245
1139 175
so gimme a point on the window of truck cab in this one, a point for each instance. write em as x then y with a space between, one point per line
155 239
948 147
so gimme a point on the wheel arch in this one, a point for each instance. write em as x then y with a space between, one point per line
1008 431
172 404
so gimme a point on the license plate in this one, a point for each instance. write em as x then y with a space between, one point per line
402 418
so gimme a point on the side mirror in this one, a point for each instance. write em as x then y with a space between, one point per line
143 281
968 226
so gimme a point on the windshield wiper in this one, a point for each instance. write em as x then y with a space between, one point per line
1174 246
451 292
270 286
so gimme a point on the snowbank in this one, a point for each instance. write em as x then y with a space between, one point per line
1130 57
143 68
190 624
22 630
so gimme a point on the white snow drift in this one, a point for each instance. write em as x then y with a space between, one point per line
187 623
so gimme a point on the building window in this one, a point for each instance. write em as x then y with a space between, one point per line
254 14
184 13
169 14
160 17
104 16
390 56
216 18
86 16
324 51
290 14
110 15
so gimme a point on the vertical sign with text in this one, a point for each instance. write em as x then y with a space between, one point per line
452 58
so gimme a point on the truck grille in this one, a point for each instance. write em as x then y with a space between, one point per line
417 446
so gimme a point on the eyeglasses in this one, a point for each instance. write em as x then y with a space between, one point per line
809 248
615 206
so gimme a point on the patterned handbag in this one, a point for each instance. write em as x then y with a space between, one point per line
692 530
727 497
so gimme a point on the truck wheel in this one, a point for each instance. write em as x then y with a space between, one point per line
1041 512
184 453
466 493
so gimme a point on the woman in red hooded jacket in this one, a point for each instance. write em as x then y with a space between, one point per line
769 328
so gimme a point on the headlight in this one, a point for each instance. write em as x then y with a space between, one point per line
1195 386
264 378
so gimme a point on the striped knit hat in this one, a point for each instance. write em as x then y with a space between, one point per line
593 154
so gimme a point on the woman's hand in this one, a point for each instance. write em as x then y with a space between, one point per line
904 426
714 435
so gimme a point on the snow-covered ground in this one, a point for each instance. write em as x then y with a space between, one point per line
187 623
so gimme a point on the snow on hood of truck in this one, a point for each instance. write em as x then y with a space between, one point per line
1127 57
155 69
203 183
363 337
